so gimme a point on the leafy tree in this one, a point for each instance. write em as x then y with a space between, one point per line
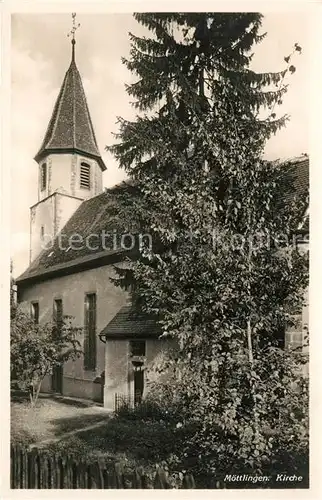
224 278
37 348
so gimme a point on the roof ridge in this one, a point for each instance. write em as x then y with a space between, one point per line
61 96
88 114
294 159
52 125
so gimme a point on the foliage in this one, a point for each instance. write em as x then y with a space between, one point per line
37 348
73 445
148 409
142 443
21 436
224 277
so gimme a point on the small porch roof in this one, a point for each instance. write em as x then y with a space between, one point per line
130 324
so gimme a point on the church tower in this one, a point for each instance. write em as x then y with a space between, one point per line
69 163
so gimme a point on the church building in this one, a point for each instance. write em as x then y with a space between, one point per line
71 264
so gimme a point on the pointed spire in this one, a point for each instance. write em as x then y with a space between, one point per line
73 50
70 128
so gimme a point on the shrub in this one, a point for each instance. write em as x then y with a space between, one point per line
36 349
148 409
21 436
221 437
73 446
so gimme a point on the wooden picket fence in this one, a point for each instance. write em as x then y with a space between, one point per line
36 469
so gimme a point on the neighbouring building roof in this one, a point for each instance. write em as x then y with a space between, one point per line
70 128
130 324
111 212
300 169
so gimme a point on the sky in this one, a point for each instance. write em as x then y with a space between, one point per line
41 54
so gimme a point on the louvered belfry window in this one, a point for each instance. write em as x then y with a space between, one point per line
43 176
85 176
90 332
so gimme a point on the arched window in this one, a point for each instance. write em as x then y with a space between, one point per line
43 176
42 233
85 176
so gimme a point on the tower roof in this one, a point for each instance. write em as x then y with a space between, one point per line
70 128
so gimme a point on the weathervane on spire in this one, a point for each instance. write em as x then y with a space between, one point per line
72 33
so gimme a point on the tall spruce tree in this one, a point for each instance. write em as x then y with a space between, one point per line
222 278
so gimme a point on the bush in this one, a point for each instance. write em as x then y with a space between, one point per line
36 349
22 437
143 441
216 439
73 446
148 409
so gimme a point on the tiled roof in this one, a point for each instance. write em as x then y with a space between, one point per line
300 170
70 127
111 211
105 212
130 324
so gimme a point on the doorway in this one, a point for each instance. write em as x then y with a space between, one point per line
138 386
137 353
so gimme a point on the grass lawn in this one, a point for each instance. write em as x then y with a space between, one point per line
50 419
140 441
130 443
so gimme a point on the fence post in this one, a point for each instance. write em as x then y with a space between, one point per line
81 476
16 475
188 482
24 467
69 472
160 480
31 468
96 476
119 477
42 471
59 476
137 480
145 481
19 465
12 465
50 472
34 469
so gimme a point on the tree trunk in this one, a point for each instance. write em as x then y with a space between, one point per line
37 392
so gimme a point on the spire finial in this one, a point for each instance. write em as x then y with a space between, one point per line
72 34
